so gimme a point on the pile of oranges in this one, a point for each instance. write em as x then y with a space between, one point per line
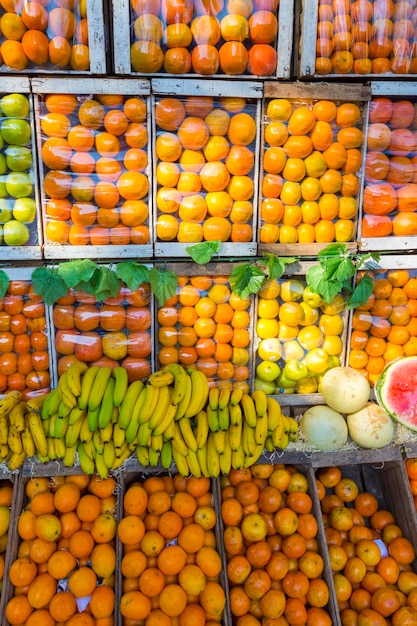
385 327
234 37
390 194
66 533
364 37
6 497
207 326
370 558
24 355
43 34
170 565
310 168
205 152
95 159
274 568
114 332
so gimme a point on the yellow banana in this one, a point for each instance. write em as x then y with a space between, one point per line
248 408
107 432
225 459
86 385
251 460
199 394
68 459
65 392
202 429
261 429
168 419
180 377
142 452
213 398
50 404
9 401
182 405
144 435
224 398
90 449
235 413
235 436
17 416
51 449
124 454
187 433
86 463
274 413
292 429
4 452
161 378
85 433
170 430
178 442
161 408
153 457
98 442
213 461
109 454
282 441
261 403
37 432
269 444
60 448
106 406
219 440
236 396
15 460
180 462
14 441
166 455
98 388
238 458
119 436
212 419
101 467
133 425
27 440
60 427
35 404
74 373
149 403
157 442
193 463
120 376
49 424
72 434
202 460
248 439
76 415
224 416
126 407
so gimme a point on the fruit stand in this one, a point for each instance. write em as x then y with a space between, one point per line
207 213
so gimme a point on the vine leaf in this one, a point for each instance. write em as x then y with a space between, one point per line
47 283
361 293
202 253
276 265
132 273
246 278
164 284
78 271
106 283
4 283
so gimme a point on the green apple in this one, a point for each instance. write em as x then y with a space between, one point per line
19 185
3 190
292 350
24 210
312 298
295 370
14 105
5 210
270 349
3 164
15 233
263 385
284 383
16 132
18 158
267 371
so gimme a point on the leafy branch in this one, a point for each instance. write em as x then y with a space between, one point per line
202 253
248 278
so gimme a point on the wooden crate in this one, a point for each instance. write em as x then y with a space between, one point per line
396 92
97 25
307 21
306 94
122 22
181 89
6 478
32 250
83 89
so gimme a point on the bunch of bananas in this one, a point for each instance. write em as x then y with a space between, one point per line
232 432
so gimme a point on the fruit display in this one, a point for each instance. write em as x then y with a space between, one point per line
24 349
116 331
371 556
298 336
389 198
171 565
270 534
94 159
63 566
395 390
6 499
205 171
18 213
48 35
364 38
385 327
310 171
196 37
207 325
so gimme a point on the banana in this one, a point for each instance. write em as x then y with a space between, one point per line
4 453
98 388
180 377
182 405
107 432
202 429
178 442
51 449
119 436
90 449
238 458
15 460
213 461
157 442
187 433
109 454
199 394
60 428
153 457
121 458
86 464
160 411
293 429
180 462
166 421
115 415
14 441
92 418
249 411
161 378
76 415
27 440
219 439
225 459
86 385
144 434
149 403
126 407
224 398
60 448
17 416
202 460
235 414
106 406
98 442
85 433
274 413
269 444
280 441
133 425
35 404
72 434
235 436
224 417
261 430
193 463
74 373
142 452
170 431
248 439
9 401
49 424
121 384
101 467
68 459
261 403
166 455
37 432
212 419
213 398
64 409
50 404
236 396
251 460
65 392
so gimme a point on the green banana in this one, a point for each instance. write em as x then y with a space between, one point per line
193 463
224 417
126 407
49 424
74 373
142 452
50 404
187 433
161 378
180 462
235 435
178 442
14 441
202 460
121 380
107 432
166 455
9 401
86 433
213 461
249 411
86 385
261 402
235 414
212 419
224 398
92 418
236 396
37 432
202 429
160 411
69 456
248 439
15 460
109 454
17 416
182 405
261 429
133 425
72 435
63 409
180 377
106 406
86 464
219 439
149 403
98 388
76 415
60 427
153 457
213 398
168 419
199 394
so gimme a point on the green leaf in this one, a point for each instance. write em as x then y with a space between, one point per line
202 253
318 282
246 278
361 293
75 272
333 249
4 283
48 284
107 284
345 270
276 265
132 274
164 284
86 287
361 259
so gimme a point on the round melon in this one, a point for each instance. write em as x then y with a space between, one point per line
396 390
324 428
345 389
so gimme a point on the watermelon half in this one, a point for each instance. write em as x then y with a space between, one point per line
396 390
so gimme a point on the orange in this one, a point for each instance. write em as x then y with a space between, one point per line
35 45
262 59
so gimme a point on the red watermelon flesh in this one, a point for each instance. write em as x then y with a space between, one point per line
396 390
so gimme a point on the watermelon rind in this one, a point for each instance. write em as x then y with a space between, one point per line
396 390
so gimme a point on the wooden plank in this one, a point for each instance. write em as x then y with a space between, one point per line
207 87
349 457
11 84
90 86
317 91
300 249
285 39
60 252
387 244
308 20
96 36
228 249
394 88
